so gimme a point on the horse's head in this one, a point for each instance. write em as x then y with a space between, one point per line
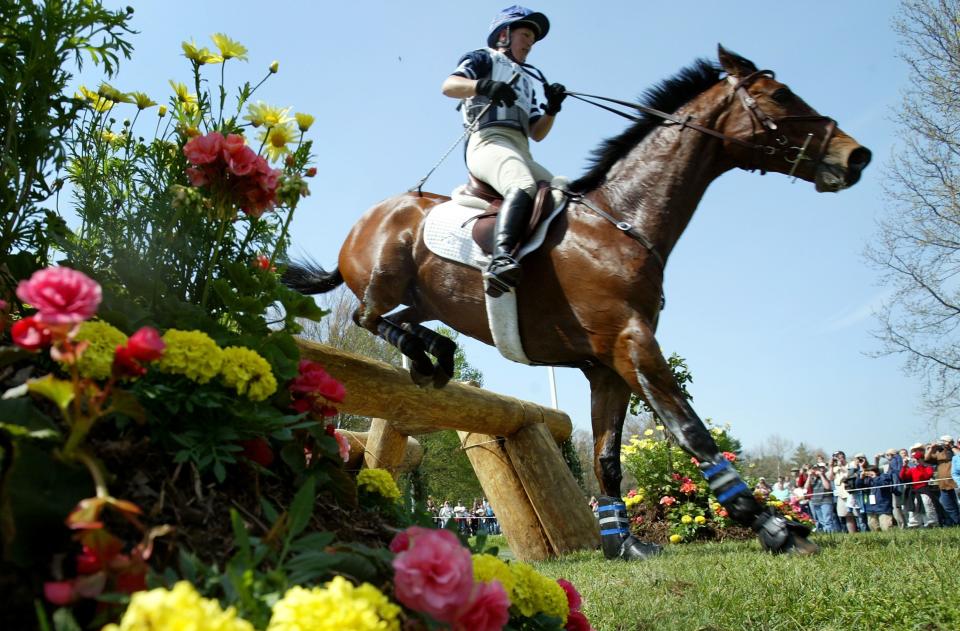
772 129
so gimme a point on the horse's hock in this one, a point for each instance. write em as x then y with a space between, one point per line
512 445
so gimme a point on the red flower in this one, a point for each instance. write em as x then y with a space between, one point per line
576 621
61 295
312 171
676 476
688 487
694 461
434 574
487 610
729 455
146 345
257 450
59 593
668 500
125 364
204 149
263 262
573 596
313 387
30 334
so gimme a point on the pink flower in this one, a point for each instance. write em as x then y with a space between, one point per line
694 461
573 596
488 609
204 149
668 500
197 177
688 488
146 345
576 621
434 574
729 455
233 144
59 593
242 162
61 295
342 443
30 335
313 384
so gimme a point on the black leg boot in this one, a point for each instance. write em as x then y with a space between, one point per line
615 537
504 272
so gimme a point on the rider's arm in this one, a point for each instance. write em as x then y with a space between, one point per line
541 127
457 87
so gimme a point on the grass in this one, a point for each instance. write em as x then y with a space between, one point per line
894 580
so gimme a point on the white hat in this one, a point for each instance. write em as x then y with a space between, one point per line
946 438
916 446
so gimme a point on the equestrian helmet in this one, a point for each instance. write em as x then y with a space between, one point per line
515 16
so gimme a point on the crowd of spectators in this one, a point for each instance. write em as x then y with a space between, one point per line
905 488
469 521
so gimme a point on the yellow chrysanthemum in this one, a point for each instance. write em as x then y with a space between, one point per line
275 140
200 55
686 519
378 481
487 567
260 113
109 92
304 121
178 608
631 501
192 354
229 48
98 102
141 100
534 593
675 538
248 373
182 92
96 362
700 519
335 607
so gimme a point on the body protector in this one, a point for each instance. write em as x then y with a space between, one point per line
487 63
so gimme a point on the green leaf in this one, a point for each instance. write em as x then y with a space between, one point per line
63 620
301 509
125 403
312 541
57 390
241 539
310 566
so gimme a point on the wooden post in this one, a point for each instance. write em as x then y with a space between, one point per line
414 410
506 495
412 455
562 510
386 447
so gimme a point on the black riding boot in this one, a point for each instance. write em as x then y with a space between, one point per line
615 537
504 272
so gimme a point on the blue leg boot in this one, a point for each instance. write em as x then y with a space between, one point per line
615 537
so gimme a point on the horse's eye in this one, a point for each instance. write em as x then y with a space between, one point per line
782 95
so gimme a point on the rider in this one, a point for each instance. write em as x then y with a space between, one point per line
498 151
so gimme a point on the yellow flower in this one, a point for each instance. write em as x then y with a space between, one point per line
182 92
675 538
260 113
98 102
534 593
177 608
335 607
200 55
229 48
96 362
648 432
632 500
275 140
378 481
304 121
248 373
107 91
192 354
700 519
142 100
274 67
686 519
487 567
659 428
162 111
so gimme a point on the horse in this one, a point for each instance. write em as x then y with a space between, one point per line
592 293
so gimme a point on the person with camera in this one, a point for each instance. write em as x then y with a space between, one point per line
888 461
921 508
819 490
878 506
940 456
837 474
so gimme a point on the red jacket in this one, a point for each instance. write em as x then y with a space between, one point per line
918 475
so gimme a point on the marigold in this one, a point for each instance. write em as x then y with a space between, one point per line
177 608
192 354
247 372
378 481
675 538
97 360
700 519
487 567
686 519
534 593
336 606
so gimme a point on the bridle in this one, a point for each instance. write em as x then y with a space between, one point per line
772 141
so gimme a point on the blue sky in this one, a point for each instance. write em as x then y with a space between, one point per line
769 297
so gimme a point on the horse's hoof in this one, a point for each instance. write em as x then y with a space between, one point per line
803 546
440 377
635 550
782 536
420 378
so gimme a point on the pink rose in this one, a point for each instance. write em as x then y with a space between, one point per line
146 345
241 162
434 574
232 144
61 295
576 621
30 335
204 149
488 609
573 596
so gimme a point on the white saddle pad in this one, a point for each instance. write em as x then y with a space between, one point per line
448 233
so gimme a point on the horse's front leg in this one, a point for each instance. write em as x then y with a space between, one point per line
637 358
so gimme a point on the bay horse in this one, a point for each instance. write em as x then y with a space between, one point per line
591 295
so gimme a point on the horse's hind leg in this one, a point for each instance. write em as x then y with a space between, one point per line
421 368
441 347
638 359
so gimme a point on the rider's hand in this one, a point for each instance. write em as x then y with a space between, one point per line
499 93
555 93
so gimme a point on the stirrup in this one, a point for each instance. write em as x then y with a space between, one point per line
501 276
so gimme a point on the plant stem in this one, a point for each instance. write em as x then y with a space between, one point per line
95 473
213 262
283 235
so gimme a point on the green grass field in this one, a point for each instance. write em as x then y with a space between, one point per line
895 580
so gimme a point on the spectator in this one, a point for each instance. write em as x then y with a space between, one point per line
857 502
821 500
781 490
460 516
921 508
493 527
762 488
891 460
940 455
879 503
446 512
837 474
955 467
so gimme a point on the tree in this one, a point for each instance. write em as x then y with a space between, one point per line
918 244
772 458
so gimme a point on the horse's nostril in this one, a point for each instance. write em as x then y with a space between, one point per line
859 158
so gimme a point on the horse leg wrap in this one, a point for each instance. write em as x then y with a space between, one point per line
615 537
437 345
408 343
776 533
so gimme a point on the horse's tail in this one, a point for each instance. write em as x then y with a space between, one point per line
308 277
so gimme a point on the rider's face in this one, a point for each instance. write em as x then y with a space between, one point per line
522 40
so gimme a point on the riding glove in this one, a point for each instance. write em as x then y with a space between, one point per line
500 93
555 93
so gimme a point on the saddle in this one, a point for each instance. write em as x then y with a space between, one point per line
485 223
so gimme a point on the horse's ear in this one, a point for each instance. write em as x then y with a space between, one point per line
733 64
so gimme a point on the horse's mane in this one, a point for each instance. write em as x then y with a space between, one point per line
667 96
